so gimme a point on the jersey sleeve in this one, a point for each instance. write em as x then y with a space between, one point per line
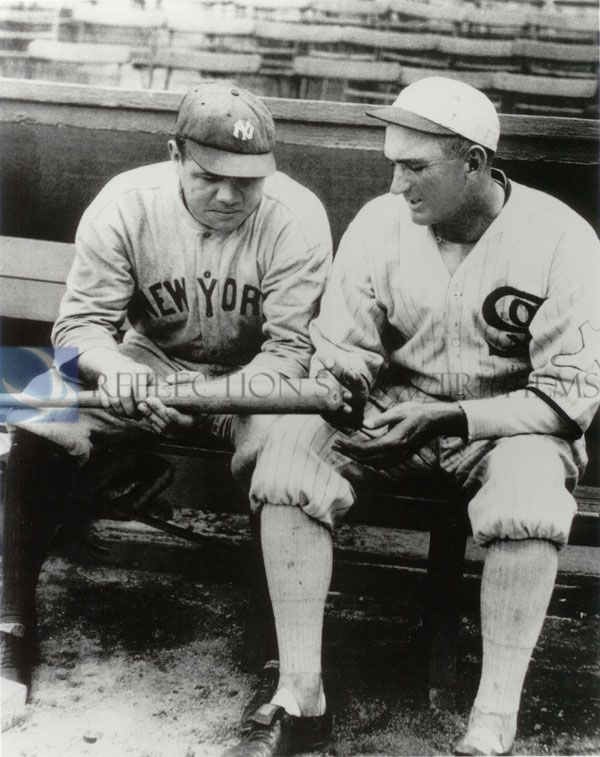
563 390
292 285
348 329
99 286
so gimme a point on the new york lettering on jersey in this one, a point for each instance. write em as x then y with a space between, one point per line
170 297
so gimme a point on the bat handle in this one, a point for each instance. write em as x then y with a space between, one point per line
331 390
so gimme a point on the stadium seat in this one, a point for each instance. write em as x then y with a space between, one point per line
339 79
19 26
273 10
345 12
558 26
112 25
413 15
198 31
403 47
279 42
201 64
557 59
77 62
478 54
505 22
543 95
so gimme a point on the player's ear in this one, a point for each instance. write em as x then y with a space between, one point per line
476 159
175 152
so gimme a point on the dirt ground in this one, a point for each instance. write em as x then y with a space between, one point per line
147 664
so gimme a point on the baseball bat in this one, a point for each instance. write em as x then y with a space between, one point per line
261 393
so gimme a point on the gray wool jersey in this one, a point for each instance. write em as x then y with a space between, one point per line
221 299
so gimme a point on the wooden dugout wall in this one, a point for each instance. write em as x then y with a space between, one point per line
61 143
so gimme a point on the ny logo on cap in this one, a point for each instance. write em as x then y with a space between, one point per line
243 130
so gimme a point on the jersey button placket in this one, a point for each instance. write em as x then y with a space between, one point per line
453 315
204 269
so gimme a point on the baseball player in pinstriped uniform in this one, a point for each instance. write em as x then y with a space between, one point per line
218 263
456 315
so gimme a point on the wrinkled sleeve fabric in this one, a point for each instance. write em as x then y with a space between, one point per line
292 285
100 284
348 329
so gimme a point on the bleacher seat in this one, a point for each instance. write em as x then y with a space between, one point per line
345 12
20 26
411 48
541 95
77 62
439 16
557 26
317 75
505 22
557 59
201 64
279 42
276 10
199 31
103 25
479 54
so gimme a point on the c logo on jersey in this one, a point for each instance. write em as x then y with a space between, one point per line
510 311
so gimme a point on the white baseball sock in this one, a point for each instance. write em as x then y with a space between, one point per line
298 558
517 583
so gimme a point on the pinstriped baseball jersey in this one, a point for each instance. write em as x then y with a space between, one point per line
204 297
505 335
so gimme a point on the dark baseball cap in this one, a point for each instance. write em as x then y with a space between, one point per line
231 132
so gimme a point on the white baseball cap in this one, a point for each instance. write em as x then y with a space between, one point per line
438 105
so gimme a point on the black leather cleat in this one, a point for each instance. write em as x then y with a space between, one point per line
263 693
273 733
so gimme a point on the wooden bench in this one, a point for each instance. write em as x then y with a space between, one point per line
32 281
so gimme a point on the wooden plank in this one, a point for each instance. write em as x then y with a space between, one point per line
323 124
385 40
78 52
340 68
35 259
227 63
556 51
119 17
30 300
308 33
544 86
483 48
194 23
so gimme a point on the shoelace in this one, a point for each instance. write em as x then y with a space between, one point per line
260 734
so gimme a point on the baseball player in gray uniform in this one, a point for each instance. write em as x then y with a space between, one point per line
459 315
218 263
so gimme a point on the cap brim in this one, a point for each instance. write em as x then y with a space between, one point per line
224 163
400 117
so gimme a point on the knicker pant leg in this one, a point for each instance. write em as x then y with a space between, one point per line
523 490
298 467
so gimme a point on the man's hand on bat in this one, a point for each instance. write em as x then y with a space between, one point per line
355 392
164 420
122 383
411 425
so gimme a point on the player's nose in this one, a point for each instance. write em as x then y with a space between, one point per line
227 192
400 181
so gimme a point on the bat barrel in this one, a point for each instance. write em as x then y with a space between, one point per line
262 393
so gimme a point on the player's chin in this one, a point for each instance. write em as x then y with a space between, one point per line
419 213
